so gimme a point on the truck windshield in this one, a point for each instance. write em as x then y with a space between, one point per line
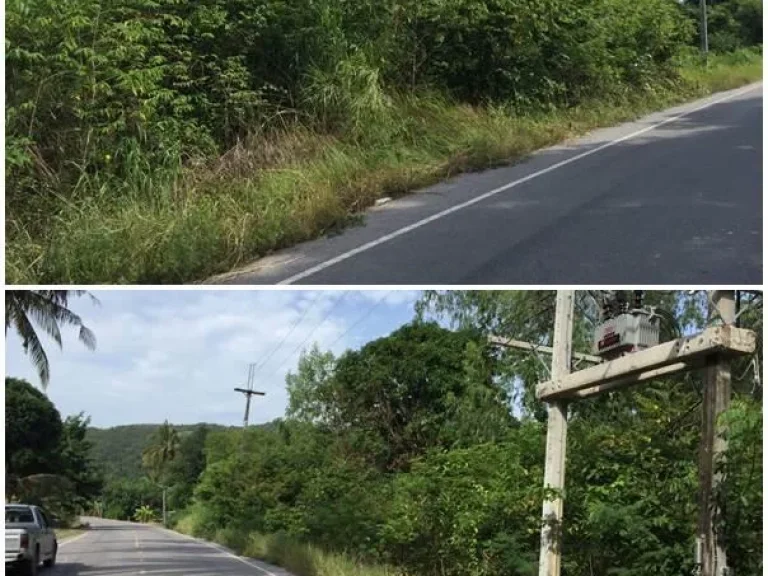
19 516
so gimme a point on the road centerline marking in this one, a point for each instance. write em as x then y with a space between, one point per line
443 213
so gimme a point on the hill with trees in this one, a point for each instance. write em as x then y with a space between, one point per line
118 450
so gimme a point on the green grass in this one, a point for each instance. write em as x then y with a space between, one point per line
277 191
298 558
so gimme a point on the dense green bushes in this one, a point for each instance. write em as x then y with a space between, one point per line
142 85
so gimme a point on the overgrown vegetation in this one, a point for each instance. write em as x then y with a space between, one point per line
158 141
47 460
422 453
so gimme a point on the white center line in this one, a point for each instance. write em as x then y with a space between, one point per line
411 227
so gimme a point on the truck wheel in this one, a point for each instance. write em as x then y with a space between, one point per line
32 564
52 560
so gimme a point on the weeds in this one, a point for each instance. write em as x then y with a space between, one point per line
176 225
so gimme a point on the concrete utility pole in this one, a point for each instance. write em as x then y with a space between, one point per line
710 553
710 349
703 26
249 391
554 467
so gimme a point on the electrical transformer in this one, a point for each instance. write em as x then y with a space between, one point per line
627 332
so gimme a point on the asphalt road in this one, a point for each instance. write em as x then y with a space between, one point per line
674 198
113 548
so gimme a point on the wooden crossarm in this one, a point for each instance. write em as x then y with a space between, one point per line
679 355
249 392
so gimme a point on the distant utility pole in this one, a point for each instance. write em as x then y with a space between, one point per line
554 467
703 26
710 553
249 391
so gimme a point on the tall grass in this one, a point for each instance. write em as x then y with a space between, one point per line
277 190
299 558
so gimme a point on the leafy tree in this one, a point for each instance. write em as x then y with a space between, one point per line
76 461
731 24
471 510
402 394
121 498
47 461
48 309
189 463
33 430
743 486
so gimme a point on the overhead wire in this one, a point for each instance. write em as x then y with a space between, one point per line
303 342
288 334
359 320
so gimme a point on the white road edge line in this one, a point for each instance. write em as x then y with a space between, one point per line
485 196
73 539
220 549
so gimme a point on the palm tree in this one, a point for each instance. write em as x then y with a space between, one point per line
48 310
159 454
161 451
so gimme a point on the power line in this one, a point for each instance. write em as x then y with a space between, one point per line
295 324
363 317
312 331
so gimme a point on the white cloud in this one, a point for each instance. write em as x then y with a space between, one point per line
177 355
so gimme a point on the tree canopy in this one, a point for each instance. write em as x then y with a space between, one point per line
47 461
33 430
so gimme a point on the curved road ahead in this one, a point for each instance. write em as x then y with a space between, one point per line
675 197
112 548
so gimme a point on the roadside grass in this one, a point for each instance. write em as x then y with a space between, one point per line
68 533
279 549
277 190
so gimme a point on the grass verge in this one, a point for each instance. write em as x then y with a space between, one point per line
279 190
278 549
68 533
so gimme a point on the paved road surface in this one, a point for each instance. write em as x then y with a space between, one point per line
679 202
113 548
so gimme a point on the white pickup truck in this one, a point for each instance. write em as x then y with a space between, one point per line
29 538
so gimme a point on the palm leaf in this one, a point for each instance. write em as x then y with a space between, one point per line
48 310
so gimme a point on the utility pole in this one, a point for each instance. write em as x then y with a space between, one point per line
703 27
710 553
557 423
249 391
710 350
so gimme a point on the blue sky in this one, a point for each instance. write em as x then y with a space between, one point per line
177 355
